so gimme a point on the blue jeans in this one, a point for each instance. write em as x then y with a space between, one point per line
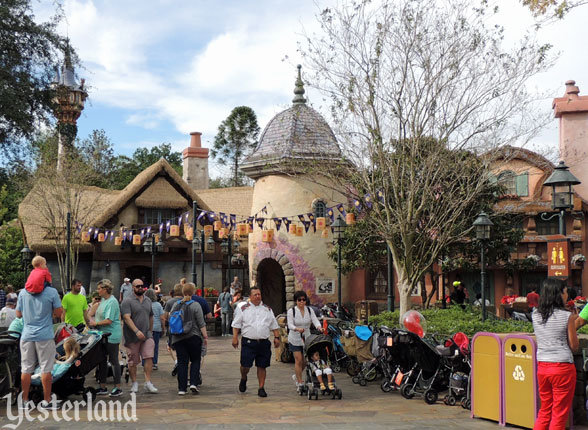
189 352
156 337
226 318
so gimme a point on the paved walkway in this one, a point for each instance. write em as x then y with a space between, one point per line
220 405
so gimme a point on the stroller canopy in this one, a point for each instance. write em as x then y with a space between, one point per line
317 342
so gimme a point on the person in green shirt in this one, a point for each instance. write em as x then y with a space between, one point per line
75 306
107 320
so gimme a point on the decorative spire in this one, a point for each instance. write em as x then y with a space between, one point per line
299 90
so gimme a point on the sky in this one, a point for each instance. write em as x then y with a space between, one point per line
160 69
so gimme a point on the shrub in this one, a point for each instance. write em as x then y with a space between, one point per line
445 322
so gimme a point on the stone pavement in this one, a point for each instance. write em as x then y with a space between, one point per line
220 405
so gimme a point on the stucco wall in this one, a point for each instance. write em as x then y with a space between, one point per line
573 144
285 197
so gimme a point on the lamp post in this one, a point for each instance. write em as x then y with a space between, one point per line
562 195
150 246
207 247
26 256
483 227
339 227
228 246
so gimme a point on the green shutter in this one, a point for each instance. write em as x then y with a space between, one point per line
523 184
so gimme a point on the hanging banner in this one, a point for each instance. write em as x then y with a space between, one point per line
260 222
306 226
380 195
368 200
301 218
341 209
286 222
331 215
278 223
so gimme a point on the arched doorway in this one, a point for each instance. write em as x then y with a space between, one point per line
272 282
139 272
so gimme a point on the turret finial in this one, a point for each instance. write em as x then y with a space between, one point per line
299 89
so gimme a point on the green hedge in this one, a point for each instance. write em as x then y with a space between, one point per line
455 319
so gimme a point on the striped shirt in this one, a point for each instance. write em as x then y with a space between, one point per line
552 337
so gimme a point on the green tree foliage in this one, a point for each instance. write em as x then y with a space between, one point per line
11 269
28 60
127 168
96 151
236 138
552 8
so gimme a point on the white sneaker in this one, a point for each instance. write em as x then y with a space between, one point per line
29 404
181 393
150 388
194 389
135 387
295 379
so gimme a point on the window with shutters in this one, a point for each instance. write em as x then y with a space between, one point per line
514 185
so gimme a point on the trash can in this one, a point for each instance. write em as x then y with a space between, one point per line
365 309
486 376
519 378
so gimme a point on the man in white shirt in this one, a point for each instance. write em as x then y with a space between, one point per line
126 289
256 322
8 313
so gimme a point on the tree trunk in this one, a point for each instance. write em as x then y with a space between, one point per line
404 289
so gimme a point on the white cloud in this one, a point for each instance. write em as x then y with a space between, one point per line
189 63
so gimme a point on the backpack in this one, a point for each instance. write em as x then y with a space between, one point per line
178 323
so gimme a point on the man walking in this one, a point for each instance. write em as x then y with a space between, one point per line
75 306
126 289
235 285
224 301
137 314
256 322
36 343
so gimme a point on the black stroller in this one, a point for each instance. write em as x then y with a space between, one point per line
9 365
70 379
398 363
324 345
435 365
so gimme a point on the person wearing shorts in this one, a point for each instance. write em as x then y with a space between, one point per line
256 322
37 346
137 314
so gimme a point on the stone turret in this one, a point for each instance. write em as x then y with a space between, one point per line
195 171
572 111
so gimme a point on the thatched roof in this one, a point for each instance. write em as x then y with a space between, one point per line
35 213
234 200
157 197
158 186
161 194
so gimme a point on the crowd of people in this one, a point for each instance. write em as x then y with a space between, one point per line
137 320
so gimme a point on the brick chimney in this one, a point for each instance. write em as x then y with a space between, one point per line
572 111
196 163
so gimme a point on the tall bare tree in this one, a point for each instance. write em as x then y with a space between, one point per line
418 90
55 194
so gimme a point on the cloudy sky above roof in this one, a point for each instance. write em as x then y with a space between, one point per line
160 69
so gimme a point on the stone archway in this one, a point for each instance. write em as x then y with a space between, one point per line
287 268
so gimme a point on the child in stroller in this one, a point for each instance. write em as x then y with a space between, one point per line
318 348
320 368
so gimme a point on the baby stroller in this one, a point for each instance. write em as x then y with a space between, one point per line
323 344
435 364
397 363
339 357
459 380
9 365
69 379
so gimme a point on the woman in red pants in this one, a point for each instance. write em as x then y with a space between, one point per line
556 339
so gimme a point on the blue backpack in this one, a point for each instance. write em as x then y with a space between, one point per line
178 324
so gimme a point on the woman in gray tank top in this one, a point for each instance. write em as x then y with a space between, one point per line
556 336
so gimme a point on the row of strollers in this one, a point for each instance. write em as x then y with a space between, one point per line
401 360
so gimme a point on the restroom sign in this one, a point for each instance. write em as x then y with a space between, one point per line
558 262
518 374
